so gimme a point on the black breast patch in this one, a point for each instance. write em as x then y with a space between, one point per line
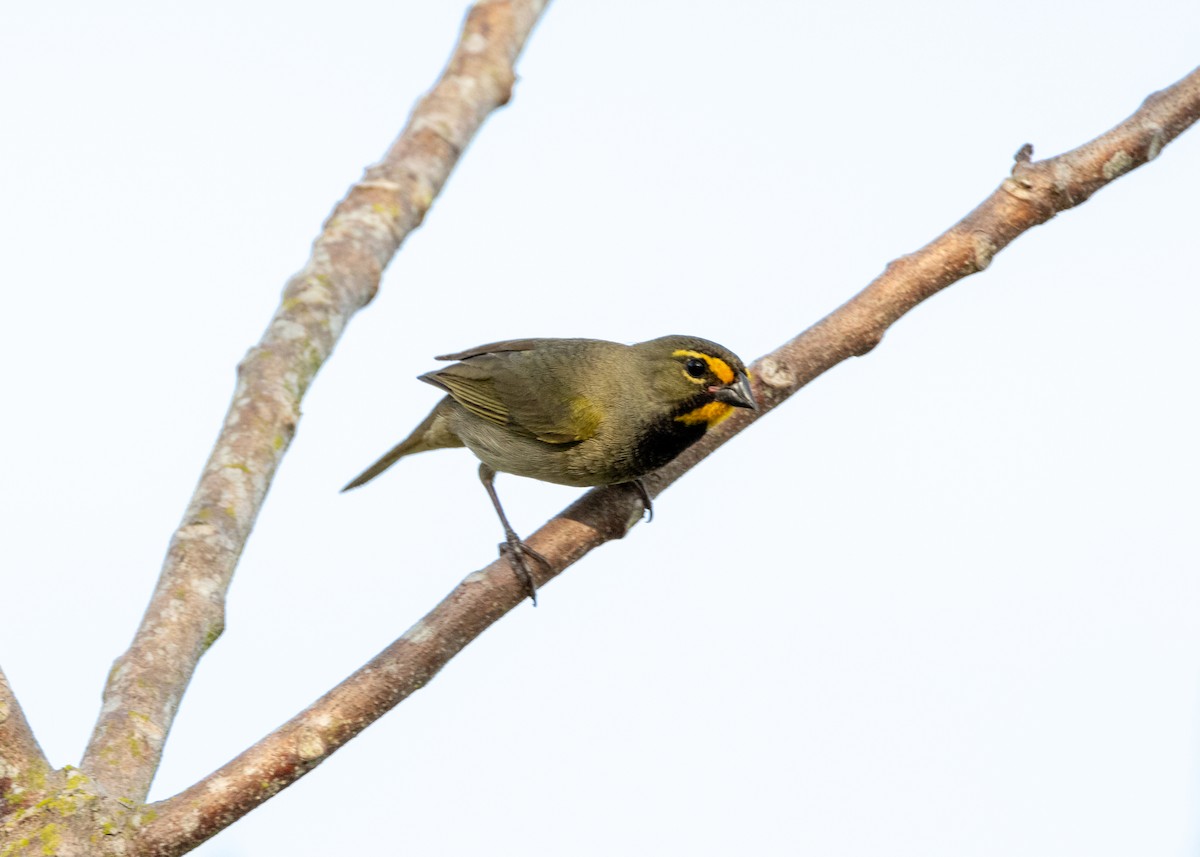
663 441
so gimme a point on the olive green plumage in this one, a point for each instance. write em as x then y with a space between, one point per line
579 412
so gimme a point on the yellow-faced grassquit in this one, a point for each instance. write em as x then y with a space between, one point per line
580 412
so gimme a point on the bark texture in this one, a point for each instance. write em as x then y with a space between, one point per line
1034 193
23 766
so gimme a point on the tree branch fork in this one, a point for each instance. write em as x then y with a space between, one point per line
99 809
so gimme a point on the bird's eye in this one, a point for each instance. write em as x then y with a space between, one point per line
695 367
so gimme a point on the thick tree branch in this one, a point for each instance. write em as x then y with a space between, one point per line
23 766
1034 193
186 611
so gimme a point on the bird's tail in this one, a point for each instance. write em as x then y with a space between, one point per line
433 433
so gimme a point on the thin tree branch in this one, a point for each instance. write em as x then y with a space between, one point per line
1034 193
23 766
186 611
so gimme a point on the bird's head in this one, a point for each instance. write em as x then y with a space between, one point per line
700 381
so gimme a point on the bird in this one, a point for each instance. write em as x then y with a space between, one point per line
578 412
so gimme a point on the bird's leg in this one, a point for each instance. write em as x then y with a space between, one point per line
645 496
512 547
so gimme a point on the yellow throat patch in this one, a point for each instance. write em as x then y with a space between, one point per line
710 414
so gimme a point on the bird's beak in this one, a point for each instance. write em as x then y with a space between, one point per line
738 393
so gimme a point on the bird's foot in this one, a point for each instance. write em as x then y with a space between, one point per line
644 495
517 553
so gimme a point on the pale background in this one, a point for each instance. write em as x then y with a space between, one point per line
943 602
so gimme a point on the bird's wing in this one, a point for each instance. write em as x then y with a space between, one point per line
471 385
519 391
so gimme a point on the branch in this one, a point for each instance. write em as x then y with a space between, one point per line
23 766
186 611
1034 193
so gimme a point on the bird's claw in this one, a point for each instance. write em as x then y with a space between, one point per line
644 495
516 551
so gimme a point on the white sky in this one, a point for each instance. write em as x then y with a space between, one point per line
943 602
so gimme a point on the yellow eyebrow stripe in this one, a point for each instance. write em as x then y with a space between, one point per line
718 366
